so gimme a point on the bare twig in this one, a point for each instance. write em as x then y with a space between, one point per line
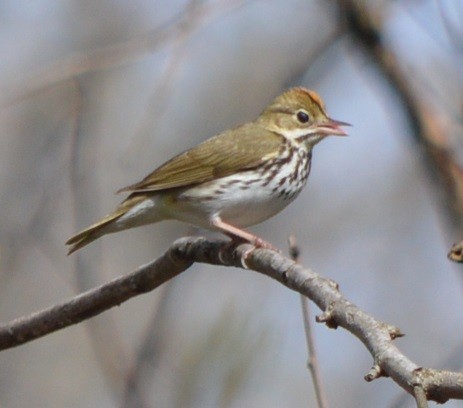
420 397
439 385
453 361
104 297
312 362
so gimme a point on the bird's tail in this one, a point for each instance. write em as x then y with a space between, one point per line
109 223
106 225
91 233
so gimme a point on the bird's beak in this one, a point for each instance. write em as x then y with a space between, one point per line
332 127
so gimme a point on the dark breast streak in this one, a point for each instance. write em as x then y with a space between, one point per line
289 186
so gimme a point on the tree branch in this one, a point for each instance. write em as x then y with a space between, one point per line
438 385
429 130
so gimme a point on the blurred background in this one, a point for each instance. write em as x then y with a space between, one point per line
95 94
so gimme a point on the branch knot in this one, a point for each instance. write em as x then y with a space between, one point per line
375 373
327 317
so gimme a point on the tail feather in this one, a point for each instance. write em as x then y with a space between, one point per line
90 237
106 225
91 233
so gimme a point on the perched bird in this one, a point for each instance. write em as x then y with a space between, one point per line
238 178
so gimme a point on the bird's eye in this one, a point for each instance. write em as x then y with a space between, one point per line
302 116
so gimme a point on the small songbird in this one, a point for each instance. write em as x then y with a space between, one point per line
238 178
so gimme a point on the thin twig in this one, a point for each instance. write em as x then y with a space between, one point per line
420 397
453 361
312 362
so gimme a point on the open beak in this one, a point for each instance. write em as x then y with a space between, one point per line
332 127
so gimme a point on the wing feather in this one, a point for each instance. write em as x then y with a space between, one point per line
234 150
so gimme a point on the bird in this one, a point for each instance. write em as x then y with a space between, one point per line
236 179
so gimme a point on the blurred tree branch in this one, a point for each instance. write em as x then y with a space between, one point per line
438 385
312 362
429 129
120 53
112 356
141 372
160 94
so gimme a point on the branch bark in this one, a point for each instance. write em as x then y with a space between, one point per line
438 385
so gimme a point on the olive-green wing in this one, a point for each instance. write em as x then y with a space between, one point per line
234 150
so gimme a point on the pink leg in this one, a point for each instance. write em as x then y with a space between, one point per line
234 233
